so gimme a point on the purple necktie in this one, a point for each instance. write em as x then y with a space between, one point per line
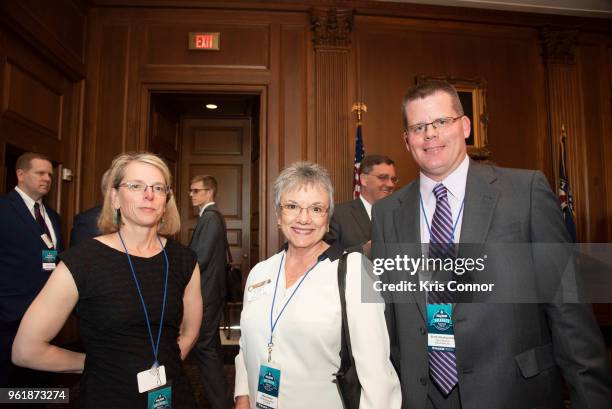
442 364
41 220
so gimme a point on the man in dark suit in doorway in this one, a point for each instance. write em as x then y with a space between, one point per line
85 224
503 354
209 241
350 224
30 238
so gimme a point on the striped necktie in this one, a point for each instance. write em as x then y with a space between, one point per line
41 221
442 364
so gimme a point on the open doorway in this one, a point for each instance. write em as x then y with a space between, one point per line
221 141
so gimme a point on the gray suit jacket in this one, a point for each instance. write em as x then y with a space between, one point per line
350 226
208 241
508 354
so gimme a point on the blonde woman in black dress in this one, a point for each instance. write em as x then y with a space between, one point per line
137 295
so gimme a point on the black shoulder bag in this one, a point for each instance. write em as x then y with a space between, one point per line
346 377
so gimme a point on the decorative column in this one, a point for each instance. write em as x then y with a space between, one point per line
565 109
331 31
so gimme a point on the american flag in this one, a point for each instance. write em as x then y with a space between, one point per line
565 193
359 153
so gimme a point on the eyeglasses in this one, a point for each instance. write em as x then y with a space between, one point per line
195 191
293 210
440 123
158 189
385 178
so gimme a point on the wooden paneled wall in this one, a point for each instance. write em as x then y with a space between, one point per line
308 62
41 84
311 63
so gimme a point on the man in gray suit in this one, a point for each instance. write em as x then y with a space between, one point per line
497 355
209 241
350 224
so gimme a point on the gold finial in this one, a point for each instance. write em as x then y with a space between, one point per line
563 134
360 107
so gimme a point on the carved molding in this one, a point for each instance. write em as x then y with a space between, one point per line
331 27
558 44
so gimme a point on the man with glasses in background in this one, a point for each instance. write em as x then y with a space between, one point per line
351 222
210 244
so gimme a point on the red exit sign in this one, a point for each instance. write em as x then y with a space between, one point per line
204 41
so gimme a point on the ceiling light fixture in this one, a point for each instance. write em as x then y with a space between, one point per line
211 106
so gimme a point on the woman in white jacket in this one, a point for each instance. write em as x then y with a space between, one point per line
291 320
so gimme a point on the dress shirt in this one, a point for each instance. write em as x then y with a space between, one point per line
205 206
29 202
367 205
455 185
307 337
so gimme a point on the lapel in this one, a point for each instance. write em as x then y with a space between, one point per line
24 213
481 198
406 218
360 215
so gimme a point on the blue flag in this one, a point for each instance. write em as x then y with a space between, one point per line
565 193
359 153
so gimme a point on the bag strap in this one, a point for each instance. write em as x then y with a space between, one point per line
227 247
346 352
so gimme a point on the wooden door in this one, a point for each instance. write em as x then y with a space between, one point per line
163 138
221 148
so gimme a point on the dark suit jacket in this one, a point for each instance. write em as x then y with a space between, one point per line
21 273
85 225
508 354
208 241
350 226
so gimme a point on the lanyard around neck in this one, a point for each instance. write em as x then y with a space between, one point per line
154 346
273 322
454 224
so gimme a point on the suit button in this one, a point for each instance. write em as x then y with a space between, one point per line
423 380
422 330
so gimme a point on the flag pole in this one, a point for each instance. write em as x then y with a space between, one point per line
360 108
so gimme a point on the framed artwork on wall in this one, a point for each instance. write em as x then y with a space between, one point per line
472 93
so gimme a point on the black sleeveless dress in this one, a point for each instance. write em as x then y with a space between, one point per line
113 327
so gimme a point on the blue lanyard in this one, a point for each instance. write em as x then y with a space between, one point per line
155 346
274 322
454 225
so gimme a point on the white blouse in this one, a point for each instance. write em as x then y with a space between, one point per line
307 337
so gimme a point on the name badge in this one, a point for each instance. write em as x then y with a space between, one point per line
440 330
160 398
47 240
268 386
258 290
151 378
49 259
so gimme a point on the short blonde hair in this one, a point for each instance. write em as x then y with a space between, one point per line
108 221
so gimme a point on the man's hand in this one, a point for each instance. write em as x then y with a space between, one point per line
367 248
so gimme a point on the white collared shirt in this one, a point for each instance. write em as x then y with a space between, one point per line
367 205
455 184
29 202
205 206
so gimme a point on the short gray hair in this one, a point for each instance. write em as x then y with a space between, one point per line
300 174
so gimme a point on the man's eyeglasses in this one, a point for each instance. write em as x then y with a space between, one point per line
195 191
439 123
293 210
385 178
158 189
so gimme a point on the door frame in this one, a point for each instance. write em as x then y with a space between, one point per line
147 89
